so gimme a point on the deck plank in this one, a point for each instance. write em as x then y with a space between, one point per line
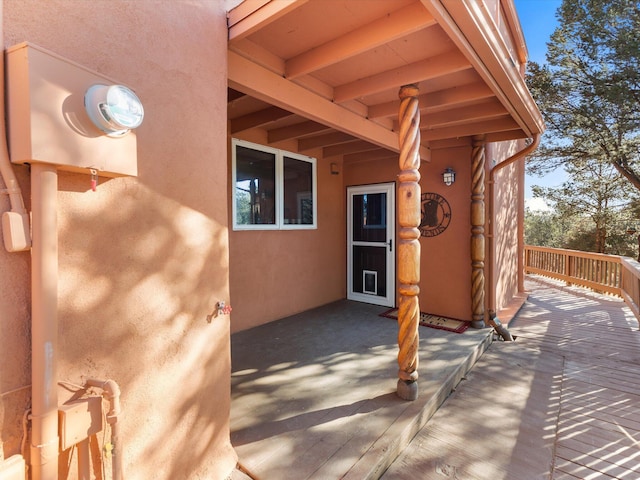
559 403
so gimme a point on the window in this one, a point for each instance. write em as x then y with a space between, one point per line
272 189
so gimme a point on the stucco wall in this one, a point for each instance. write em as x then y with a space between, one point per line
445 266
275 274
508 194
142 260
446 258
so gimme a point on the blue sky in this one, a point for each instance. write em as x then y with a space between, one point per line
538 20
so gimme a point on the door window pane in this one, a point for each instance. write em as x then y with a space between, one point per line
370 217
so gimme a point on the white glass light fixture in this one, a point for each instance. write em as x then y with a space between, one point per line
114 109
449 176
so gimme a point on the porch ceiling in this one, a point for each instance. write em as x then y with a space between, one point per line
327 73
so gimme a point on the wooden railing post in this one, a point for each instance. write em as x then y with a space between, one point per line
477 234
409 246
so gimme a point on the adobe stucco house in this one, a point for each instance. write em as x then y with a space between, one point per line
269 131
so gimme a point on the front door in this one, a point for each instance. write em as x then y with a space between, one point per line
371 244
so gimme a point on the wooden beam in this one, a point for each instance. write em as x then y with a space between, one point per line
295 131
462 115
254 80
506 135
450 143
349 147
379 154
434 67
258 54
252 15
379 32
478 128
323 140
435 101
234 95
257 119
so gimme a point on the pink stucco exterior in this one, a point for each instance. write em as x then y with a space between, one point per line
143 260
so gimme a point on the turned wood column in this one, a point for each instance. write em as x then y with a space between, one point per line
408 246
477 234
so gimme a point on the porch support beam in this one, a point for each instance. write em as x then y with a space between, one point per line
477 233
255 80
408 245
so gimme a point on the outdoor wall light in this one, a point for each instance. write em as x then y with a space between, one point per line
114 109
334 169
449 176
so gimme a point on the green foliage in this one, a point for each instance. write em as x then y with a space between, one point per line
589 90
589 94
549 229
543 229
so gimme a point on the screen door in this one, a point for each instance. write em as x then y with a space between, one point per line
371 244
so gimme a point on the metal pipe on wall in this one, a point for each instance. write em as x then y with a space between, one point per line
44 322
112 392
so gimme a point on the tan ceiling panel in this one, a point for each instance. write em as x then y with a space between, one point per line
416 72
375 34
328 72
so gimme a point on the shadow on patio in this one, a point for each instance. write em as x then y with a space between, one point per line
559 403
313 395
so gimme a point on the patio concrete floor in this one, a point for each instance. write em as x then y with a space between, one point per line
314 395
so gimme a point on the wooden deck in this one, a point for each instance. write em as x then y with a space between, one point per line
559 403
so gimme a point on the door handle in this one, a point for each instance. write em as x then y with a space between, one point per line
390 243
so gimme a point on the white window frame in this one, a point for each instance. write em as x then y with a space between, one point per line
279 187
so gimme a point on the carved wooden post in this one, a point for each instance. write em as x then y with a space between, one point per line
409 245
477 234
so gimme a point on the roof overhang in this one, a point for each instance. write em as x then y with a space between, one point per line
330 70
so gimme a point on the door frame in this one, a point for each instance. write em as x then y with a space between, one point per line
390 248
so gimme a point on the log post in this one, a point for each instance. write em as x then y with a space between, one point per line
477 234
409 246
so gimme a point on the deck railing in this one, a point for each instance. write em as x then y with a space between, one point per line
604 273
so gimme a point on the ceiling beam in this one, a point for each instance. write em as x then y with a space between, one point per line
451 143
433 67
386 29
478 128
504 136
434 101
252 15
462 115
379 154
294 131
234 95
322 140
257 119
469 26
347 148
254 80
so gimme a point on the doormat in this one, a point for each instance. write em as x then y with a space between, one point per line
433 321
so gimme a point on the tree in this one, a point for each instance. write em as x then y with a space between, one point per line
595 191
544 229
589 90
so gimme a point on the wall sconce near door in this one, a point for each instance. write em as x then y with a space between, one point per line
334 169
449 176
